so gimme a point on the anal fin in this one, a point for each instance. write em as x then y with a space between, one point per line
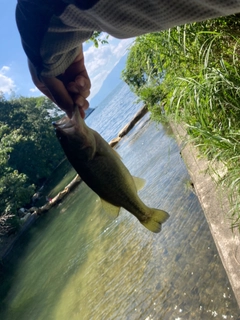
110 209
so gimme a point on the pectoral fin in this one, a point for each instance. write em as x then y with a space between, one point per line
139 182
112 210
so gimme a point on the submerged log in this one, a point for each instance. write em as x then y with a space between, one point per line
132 123
59 196
129 126
114 141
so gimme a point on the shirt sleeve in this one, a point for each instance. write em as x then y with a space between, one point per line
48 43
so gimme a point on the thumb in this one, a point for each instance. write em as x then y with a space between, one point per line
59 94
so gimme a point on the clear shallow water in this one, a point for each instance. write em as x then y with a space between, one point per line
78 263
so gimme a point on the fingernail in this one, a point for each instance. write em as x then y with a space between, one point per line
79 104
81 82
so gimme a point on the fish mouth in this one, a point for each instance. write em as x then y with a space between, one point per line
68 125
64 124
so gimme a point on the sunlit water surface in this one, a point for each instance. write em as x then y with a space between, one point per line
78 263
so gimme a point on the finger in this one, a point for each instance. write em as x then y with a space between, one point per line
83 82
81 86
81 102
59 94
82 112
77 68
72 88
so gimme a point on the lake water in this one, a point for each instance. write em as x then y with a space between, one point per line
78 263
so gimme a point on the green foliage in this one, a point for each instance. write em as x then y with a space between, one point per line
142 72
97 39
15 191
29 150
191 74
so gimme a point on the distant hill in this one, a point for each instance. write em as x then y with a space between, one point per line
110 83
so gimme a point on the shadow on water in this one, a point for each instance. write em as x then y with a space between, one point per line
77 263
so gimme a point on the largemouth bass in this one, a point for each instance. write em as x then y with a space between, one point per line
101 168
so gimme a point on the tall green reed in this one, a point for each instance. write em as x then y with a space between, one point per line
193 71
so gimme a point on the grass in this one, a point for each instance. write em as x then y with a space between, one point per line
200 87
208 102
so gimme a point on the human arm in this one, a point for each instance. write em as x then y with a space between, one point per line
68 89
54 52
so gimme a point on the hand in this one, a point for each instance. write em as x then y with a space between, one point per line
69 89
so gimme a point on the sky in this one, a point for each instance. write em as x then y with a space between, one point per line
14 74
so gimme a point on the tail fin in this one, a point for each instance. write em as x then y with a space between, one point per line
154 223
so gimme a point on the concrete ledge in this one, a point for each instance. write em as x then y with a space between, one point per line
215 205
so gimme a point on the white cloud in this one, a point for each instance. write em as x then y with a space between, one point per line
35 89
96 58
97 81
121 48
6 83
100 61
5 69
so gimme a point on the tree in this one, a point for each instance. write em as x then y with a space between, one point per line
38 152
15 189
144 69
29 150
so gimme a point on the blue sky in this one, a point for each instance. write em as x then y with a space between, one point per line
14 75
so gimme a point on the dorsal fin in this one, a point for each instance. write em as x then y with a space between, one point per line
139 182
